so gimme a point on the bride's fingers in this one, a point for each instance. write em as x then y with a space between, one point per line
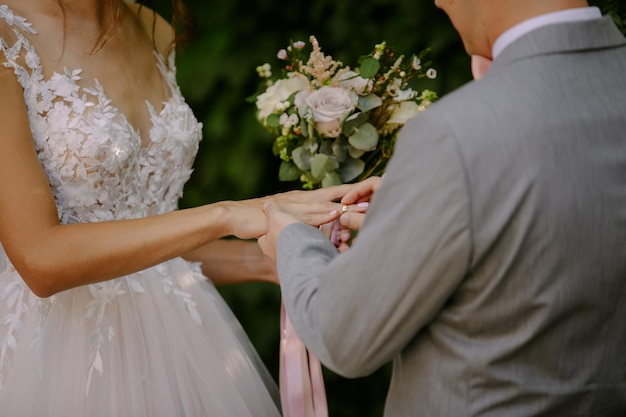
333 193
314 214
320 213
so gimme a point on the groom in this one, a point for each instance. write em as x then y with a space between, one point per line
491 265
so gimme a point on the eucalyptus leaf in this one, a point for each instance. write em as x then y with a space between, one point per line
273 120
340 150
369 67
369 102
320 165
305 127
354 152
288 171
351 169
302 158
326 148
355 120
310 145
292 98
330 179
365 137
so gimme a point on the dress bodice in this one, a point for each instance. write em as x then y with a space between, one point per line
98 167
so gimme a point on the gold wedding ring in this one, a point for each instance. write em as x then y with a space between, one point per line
344 209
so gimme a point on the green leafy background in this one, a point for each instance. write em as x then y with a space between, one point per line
217 74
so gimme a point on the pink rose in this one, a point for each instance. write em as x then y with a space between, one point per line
328 107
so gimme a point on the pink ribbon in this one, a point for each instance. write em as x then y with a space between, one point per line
301 382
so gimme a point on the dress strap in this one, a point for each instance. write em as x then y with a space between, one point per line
16 52
12 19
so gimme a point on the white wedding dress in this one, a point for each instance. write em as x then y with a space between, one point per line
161 342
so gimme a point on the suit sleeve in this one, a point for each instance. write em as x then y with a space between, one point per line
357 310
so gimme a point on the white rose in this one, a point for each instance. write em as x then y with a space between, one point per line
402 112
271 100
353 81
329 107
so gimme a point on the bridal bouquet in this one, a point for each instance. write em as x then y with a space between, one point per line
335 124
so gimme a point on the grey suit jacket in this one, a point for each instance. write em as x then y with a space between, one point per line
491 267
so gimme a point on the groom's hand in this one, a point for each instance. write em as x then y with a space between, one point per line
277 220
362 191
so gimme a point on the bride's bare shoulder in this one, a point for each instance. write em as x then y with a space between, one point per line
12 4
160 30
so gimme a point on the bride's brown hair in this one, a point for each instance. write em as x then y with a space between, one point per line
182 20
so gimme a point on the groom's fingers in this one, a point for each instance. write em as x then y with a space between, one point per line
327 229
269 208
275 213
362 191
352 220
268 247
267 242
279 218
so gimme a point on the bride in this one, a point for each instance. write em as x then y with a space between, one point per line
105 305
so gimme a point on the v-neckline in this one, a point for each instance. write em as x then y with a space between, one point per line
92 85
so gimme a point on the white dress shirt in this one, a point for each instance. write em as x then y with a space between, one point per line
569 15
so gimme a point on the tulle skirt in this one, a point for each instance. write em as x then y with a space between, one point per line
161 342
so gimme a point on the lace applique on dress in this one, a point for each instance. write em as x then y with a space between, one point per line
99 170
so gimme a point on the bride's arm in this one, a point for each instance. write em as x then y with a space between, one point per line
52 257
233 261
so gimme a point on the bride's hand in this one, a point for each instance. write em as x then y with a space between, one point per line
333 193
246 220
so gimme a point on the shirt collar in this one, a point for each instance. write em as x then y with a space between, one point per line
562 16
